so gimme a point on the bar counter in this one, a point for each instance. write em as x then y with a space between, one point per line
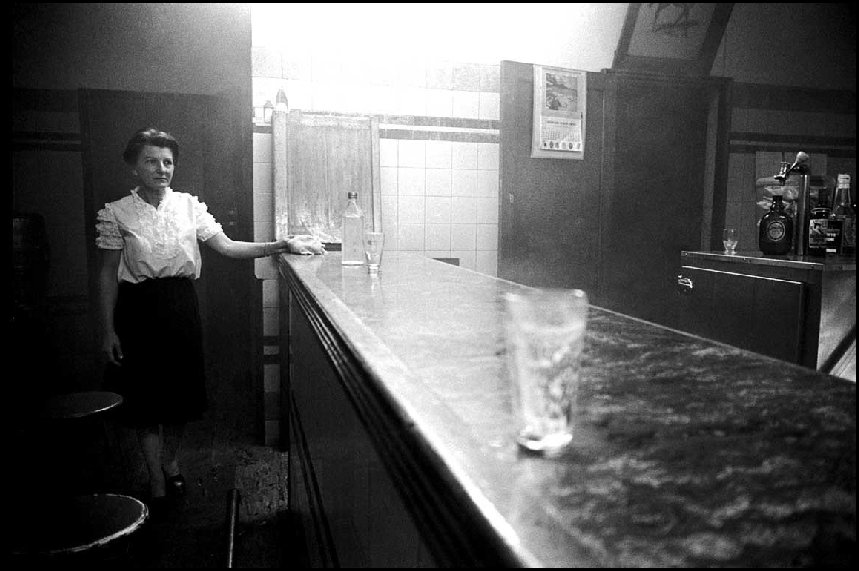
807 263
824 312
687 452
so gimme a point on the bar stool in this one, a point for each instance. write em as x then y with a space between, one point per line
89 528
58 516
75 421
80 405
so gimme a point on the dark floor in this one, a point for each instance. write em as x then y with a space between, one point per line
194 531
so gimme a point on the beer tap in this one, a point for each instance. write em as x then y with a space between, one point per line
800 166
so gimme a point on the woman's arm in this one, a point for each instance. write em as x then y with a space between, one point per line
108 289
301 244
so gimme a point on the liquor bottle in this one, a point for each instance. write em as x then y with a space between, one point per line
818 226
833 236
775 231
353 232
845 214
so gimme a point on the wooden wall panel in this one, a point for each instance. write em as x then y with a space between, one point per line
654 191
350 511
614 223
549 208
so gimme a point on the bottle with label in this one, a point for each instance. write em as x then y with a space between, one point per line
833 236
818 226
844 214
775 232
353 232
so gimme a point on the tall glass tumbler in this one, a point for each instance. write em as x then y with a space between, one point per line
545 332
374 246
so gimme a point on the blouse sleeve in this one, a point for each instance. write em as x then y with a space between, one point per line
109 237
207 226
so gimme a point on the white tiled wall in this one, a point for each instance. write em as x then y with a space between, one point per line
441 198
449 89
438 197
359 98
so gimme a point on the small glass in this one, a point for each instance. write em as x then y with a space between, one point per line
729 239
374 245
545 334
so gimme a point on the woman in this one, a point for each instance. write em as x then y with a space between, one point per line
151 333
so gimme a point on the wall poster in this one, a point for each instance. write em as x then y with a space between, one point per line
559 113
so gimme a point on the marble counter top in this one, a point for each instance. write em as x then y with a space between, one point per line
686 452
825 264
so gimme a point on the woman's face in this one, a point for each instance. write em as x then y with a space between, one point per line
154 167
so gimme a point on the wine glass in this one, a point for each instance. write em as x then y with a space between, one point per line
729 239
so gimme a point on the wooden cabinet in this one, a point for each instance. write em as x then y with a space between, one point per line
798 309
345 500
761 314
612 223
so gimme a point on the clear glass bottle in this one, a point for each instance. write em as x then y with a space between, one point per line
352 232
845 215
775 232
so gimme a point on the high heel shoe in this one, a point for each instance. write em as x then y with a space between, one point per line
175 485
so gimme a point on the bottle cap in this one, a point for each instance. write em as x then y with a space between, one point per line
844 179
352 194
281 103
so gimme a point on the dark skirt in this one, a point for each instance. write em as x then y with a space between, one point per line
162 377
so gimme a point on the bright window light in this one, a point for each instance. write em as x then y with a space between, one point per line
550 34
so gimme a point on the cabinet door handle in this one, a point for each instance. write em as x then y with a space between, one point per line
685 285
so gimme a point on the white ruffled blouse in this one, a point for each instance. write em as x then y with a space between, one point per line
156 243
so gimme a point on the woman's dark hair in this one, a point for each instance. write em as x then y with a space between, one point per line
149 136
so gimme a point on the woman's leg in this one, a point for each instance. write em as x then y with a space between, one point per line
173 435
150 442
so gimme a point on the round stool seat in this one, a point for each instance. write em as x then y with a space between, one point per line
75 524
80 405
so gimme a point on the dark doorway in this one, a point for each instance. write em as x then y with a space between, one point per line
214 144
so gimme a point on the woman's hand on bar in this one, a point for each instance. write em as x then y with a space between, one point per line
303 244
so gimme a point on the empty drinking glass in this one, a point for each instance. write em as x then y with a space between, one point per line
545 338
374 244
729 239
